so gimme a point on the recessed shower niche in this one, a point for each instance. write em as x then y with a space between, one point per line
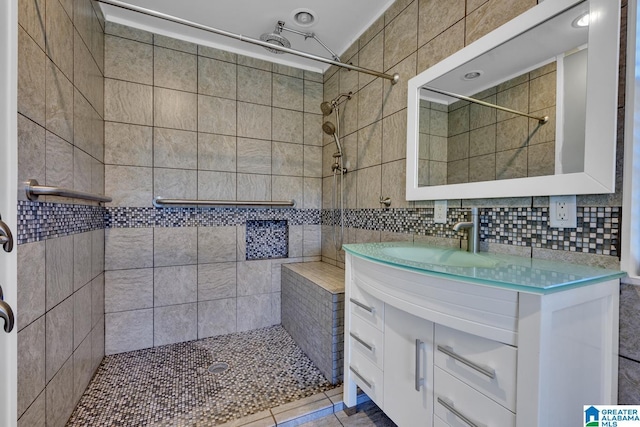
267 239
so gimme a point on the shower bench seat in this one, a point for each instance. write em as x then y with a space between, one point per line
313 313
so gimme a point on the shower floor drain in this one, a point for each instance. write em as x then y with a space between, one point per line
218 367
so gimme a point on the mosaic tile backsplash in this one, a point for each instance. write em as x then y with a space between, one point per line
597 231
267 239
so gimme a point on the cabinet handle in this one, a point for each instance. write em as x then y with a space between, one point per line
362 342
449 352
418 380
454 411
361 305
357 374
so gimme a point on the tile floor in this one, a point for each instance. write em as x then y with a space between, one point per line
171 385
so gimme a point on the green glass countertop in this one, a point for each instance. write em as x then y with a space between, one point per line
505 271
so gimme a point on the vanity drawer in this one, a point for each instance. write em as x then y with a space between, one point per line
366 339
474 359
368 307
368 377
454 401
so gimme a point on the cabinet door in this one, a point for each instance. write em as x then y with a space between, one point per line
408 369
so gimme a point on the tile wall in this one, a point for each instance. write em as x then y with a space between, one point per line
188 121
410 37
60 310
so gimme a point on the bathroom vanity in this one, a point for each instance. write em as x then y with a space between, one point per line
440 337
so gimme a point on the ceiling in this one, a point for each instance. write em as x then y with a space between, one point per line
338 23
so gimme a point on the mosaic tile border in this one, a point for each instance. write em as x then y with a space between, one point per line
597 231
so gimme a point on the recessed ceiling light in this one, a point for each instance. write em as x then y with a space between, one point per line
304 17
582 20
471 75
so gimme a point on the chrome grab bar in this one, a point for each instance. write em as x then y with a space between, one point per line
449 352
362 306
454 411
160 202
357 374
33 190
362 342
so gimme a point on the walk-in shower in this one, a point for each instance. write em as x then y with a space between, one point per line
338 168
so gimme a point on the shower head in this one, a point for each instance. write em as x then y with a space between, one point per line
276 38
326 108
329 128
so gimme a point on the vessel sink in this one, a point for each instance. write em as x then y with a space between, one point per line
445 257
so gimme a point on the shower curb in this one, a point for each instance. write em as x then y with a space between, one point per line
298 412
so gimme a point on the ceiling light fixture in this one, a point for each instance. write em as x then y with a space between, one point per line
582 20
304 17
472 75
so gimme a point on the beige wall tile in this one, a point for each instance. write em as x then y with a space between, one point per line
32 66
254 187
287 159
370 145
401 36
312 194
31 364
175 246
216 152
312 129
59 103
31 276
30 13
216 317
31 152
59 405
511 164
175 70
129 185
59 270
541 159
254 156
482 168
393 183
512 133
59 336
82 273
254 311
175 149
435 17
81 315
216 244
128 248
59 33
312 96
217 281
128 32
82 368
175 44
128 60
82 163
175 183
287 188
457 171
254 63
254 121
287 125
126 144
442 46
88 127
87 76
371 57
254 86
394 137
216 185
175 109
175 323
126 290
369 187
370 104
491 15
128 102
217 78
128 331
482 141
175 285
216 115
312 161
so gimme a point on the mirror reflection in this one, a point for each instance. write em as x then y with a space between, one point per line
540 73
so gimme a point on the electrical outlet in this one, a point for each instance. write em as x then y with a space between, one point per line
563 212
440 211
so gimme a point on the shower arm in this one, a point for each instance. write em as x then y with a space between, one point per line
395 78
309 36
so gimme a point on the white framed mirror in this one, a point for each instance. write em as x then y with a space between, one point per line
543 64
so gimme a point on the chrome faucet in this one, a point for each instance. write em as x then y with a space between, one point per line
473 228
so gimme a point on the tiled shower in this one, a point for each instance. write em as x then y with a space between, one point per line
136 115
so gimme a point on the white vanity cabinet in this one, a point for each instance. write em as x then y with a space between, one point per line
434 349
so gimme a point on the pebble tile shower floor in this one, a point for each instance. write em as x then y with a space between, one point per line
171 385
